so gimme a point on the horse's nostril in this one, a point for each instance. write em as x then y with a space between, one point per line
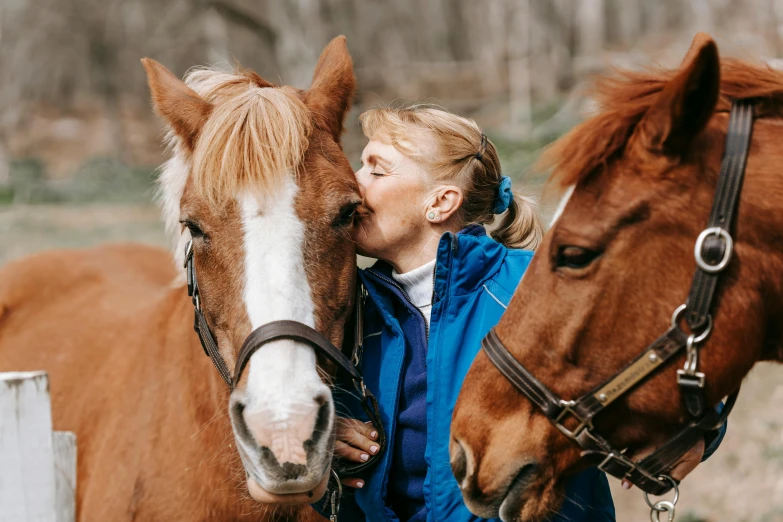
459 461
238 420
323 398
322 421
525 474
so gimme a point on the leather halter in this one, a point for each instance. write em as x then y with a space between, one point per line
297 331
713 252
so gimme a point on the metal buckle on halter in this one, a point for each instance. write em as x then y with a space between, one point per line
631 467
697 249
688 375
567 405
358 349
618 457
188 253
335 497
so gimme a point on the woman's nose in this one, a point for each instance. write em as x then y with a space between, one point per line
361 179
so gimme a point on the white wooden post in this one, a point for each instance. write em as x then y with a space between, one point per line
33 488
64 476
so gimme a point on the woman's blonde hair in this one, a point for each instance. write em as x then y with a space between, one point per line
454 150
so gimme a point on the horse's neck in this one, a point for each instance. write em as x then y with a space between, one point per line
760 226
183 356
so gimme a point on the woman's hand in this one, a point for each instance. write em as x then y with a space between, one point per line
356 441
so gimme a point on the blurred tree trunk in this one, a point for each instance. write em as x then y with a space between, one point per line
702 16
518 44
590 27
626 26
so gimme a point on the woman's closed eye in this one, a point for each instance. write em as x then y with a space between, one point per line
377 174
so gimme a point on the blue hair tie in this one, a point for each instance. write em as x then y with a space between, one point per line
504 197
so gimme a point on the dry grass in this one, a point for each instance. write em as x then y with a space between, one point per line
25 229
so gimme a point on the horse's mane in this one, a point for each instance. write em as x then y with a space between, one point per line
624 97
256 136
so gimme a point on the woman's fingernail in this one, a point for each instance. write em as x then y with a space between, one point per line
364 456
373 434
360 484
373 449
626 484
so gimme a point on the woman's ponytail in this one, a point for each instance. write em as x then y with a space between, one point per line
521 225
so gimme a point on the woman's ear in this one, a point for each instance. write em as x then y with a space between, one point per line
444 202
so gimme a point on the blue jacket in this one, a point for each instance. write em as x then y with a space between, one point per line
474 280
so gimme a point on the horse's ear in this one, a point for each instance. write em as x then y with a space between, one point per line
686 104
185 110
699 41
329 97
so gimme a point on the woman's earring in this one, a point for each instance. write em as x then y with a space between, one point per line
431 215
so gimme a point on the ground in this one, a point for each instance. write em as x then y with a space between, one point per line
742 482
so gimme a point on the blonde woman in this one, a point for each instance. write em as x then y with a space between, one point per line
430 181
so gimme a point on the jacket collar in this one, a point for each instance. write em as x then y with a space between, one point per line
465 261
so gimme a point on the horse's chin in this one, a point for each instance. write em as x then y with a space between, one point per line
535 502
528 499
307 496
277 486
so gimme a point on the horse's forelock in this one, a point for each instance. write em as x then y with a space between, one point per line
255 138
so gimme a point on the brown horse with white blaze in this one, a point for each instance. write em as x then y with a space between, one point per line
617 261
259 183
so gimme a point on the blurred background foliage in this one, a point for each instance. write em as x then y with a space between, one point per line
76 125
79 144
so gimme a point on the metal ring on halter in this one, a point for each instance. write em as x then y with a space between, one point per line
676 492
702 264
677 315
662 506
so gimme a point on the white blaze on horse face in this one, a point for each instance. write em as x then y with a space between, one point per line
284 392
562 204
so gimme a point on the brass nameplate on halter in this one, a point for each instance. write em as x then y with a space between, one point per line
628 377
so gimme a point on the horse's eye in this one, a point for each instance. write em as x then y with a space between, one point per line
575 257
347 213
195 230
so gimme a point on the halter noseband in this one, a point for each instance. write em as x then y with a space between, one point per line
297 331
713 252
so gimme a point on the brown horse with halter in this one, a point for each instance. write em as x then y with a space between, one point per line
260 199
586 367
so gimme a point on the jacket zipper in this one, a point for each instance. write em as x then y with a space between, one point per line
407 298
